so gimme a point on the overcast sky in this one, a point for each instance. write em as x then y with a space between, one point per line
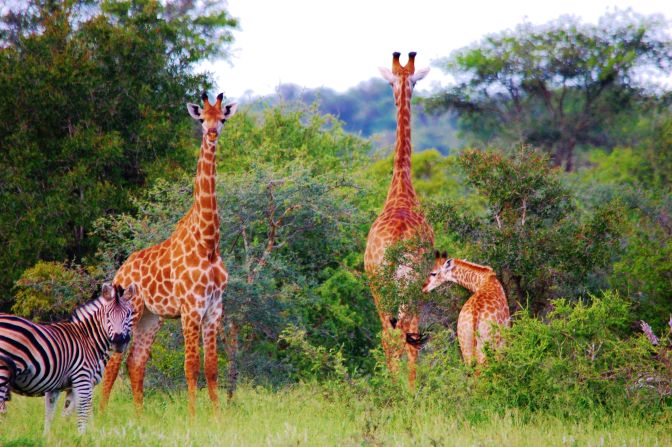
340 43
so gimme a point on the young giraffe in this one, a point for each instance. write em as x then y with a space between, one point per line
487 306
182 276
400 219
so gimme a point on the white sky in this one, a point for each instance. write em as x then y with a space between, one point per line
340 43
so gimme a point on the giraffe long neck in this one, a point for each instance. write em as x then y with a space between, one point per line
401 192
205 215
471 276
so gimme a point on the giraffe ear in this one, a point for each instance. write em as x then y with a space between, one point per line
387 75
420 74
229 110
194 111
108 291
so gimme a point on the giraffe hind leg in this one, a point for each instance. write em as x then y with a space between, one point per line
209 328
138 355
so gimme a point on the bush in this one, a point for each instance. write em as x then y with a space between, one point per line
50 291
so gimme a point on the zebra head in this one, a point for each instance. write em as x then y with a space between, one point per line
117 314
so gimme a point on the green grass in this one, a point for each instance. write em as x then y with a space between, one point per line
314 416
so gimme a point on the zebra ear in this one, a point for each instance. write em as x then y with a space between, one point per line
108 291
131 291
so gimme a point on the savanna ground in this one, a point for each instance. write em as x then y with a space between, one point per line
318 415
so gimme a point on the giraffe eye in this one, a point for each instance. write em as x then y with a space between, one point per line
200 120
433 274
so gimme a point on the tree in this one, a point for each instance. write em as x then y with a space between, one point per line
531 231
92 97
556 86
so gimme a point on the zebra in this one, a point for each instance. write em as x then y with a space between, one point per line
45 359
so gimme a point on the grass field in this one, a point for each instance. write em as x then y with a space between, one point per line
314 416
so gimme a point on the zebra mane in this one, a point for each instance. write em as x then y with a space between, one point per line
82 311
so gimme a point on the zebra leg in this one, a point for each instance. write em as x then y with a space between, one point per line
7 370
144 335
210 327
68 405
191 323
82 388
50 399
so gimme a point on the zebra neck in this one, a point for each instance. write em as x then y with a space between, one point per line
89 321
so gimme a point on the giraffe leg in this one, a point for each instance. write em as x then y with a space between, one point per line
466 334
138 355
390 342
109 377
209 328
191 322
412 326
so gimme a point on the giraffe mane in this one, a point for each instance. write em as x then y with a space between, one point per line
473 266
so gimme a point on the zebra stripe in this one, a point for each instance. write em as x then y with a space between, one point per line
38 360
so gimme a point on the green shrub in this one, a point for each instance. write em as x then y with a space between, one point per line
50 291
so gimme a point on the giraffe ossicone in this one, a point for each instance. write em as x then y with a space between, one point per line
181 277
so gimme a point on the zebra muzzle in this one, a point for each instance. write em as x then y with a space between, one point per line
120 341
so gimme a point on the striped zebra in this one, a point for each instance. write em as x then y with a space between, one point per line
43 360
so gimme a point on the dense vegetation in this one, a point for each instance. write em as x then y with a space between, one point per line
104 165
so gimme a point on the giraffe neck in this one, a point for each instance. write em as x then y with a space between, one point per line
401 192
471 276
205 215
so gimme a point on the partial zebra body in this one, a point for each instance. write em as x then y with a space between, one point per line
45 359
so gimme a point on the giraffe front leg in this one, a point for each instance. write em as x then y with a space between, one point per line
82 393
50 399
191 323
141 346
210 327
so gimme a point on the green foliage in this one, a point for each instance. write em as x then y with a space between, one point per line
284 137
557 85
576 361
50 291
307 362
92 100
531 232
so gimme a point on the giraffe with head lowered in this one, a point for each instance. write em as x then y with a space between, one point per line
400 218
483 311
181 277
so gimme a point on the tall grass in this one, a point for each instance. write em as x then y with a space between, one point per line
317 415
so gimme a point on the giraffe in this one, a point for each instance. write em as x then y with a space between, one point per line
182 276
487 306
399 220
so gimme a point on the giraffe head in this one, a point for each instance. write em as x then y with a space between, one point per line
117 313
212 116
403 79
441 272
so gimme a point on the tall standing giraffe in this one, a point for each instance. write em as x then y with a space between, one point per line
400 219
485 308
182 276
